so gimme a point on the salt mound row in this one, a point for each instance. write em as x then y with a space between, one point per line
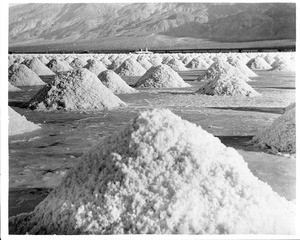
21 75
130 67
19 124
38 67
242 67
75 90
228 84
160 175
57 65
77 63
176 65
161 76
197 63
115 83
281 135
12 88
95 67
258 63
282 66
221 68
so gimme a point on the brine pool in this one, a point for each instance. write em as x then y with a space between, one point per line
40 159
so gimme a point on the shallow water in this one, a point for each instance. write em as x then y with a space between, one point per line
40 159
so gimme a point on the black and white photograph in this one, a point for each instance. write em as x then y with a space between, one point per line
160 118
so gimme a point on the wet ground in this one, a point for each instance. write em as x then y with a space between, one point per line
40 159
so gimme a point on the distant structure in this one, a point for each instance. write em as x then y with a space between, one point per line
144 52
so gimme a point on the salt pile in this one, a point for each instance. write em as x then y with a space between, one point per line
176 65
222 68
43 59
197 63
38 67
75 90
77 63
57 65
115 83
106 61
19 124
12 88
130 67
281 135
283 65
117 63
228 84
160 175
145 63
187 59
95 67
269 59
242 67
21 75
258 63
155 60
161 76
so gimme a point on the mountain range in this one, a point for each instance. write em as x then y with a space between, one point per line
39 23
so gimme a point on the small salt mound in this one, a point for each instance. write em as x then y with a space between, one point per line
77 63
115 83
166 59
197 63
258 63
21 75
12 88
187 59
43 59
38 67
130 67
223 68
176 65
269 59
161 76
283 66
95 67
18 124
155 60
57 65
75 90
105 61
242 67
160 175
117 63
281 135
69 59
145 63
228 84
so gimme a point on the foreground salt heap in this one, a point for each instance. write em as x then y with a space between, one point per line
19 124
21 75
281 135
75 90
115 83
160 175
161 76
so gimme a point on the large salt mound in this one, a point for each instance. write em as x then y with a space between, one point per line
242 67
161 76
12 88
228 84
130 67
115 83
160 175
38 67
197 63
57 65
21 75
19 124
281 135
77 63
95 67
222 68
258 63
176 65
75 90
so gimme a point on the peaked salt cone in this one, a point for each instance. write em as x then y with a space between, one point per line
160 175
21 75
38 67
130 67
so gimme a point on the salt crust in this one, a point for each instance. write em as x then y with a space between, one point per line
75 90
161 76
281 135
130 67
38 67
19 124
21 75
161 175
115 83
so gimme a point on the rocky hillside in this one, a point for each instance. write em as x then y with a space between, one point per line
42 23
